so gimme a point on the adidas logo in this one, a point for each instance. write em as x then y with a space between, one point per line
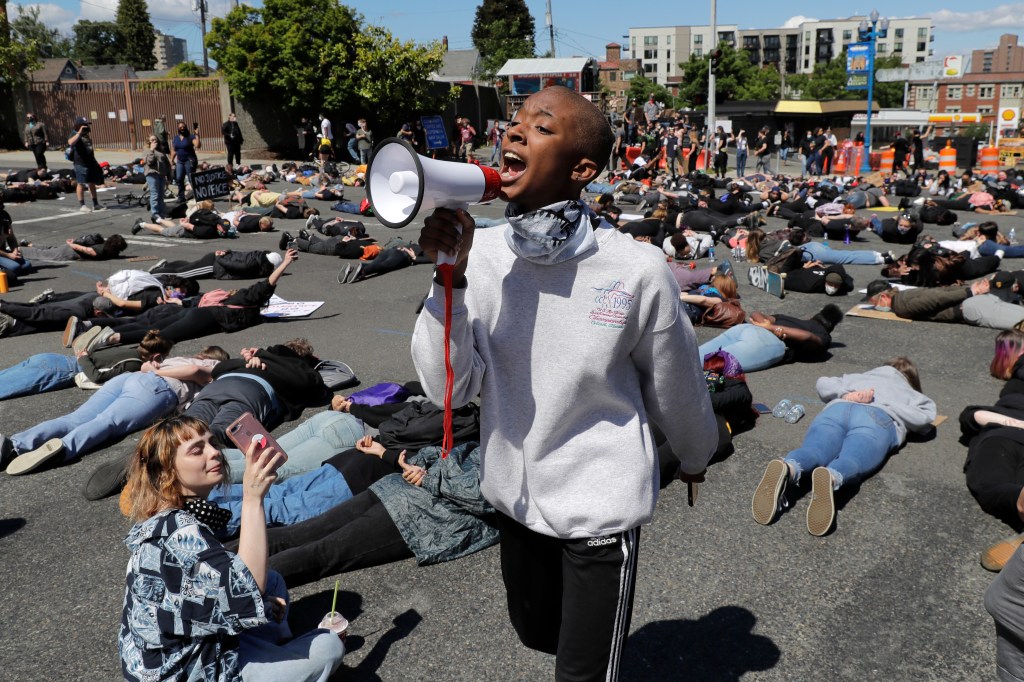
598 542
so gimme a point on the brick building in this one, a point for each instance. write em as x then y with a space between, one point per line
616 72
993 80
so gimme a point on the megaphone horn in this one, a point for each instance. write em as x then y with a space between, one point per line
401 183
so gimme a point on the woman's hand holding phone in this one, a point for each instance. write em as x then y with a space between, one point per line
260 470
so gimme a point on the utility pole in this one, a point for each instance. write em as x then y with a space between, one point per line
202 24
551 28
711 85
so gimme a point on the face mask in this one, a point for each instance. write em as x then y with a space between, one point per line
551 234
883 308
831 290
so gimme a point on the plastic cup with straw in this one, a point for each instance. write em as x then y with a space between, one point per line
334 621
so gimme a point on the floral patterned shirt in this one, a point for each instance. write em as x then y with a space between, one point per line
186 601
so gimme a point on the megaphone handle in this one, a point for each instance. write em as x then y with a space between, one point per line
449 258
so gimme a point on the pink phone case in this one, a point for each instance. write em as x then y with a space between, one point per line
244 430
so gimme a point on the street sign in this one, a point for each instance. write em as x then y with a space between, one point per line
859 66
437 136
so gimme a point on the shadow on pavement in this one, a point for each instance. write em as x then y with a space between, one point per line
720 646
9 526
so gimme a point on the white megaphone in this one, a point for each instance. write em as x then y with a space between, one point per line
401 183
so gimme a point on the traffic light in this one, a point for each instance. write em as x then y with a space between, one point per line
716 57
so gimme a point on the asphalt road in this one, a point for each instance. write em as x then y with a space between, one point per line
894 593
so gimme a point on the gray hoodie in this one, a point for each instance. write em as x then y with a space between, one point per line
571 362
908 408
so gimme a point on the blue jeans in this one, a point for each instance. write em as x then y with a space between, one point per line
989 248
353 151
182 169
155 185
39 374
14 268
850 439
289 502
308 445
819 252
812 163
125 404
754 347
741 163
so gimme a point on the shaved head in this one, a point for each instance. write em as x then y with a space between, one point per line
594 137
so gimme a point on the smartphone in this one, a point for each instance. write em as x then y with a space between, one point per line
247 430
761 408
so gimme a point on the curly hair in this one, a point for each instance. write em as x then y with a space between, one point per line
152 483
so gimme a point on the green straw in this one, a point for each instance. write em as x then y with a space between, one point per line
334 602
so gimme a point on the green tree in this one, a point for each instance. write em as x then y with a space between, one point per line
96 42
49 42
736 78
186 70
502 30
136 35
277 53
641 87
17 58
828 81
385 72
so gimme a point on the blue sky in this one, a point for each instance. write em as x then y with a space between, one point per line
585 26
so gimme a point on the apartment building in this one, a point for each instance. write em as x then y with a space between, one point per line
795 49
169 51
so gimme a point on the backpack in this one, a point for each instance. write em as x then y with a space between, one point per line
387 393
336 374
786 259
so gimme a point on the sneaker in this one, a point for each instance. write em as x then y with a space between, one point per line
822 510
84 209
137 226
304 235
71 330
889 258
344 273
106 480
286 238
100 340
996 556
97 208
157 265
81 342
1000 254
43 297
24 242
309 221
357 274
30 461
6 324
769 495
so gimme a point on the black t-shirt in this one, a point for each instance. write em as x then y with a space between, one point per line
248 224
648 227
148 297
808 326
83 152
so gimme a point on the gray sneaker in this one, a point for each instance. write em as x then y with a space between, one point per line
71 330
43 297
157 265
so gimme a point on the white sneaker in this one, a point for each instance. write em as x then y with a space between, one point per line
84 209
1000 254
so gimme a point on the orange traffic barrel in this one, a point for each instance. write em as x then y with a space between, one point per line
947 158
702 160
856 159
990 159
842 159
888 156
631 154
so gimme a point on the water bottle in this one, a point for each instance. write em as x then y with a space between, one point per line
824 240
1013 235
711 255
782 408
795 414
739 253
846 235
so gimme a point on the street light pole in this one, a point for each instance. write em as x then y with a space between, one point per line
710 125
871 36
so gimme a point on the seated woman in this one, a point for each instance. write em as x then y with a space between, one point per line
995 454
46 372
432 511
77 249
123 405
866 417
12 261
192 609
767 340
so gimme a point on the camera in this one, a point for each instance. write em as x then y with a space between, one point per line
195 125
